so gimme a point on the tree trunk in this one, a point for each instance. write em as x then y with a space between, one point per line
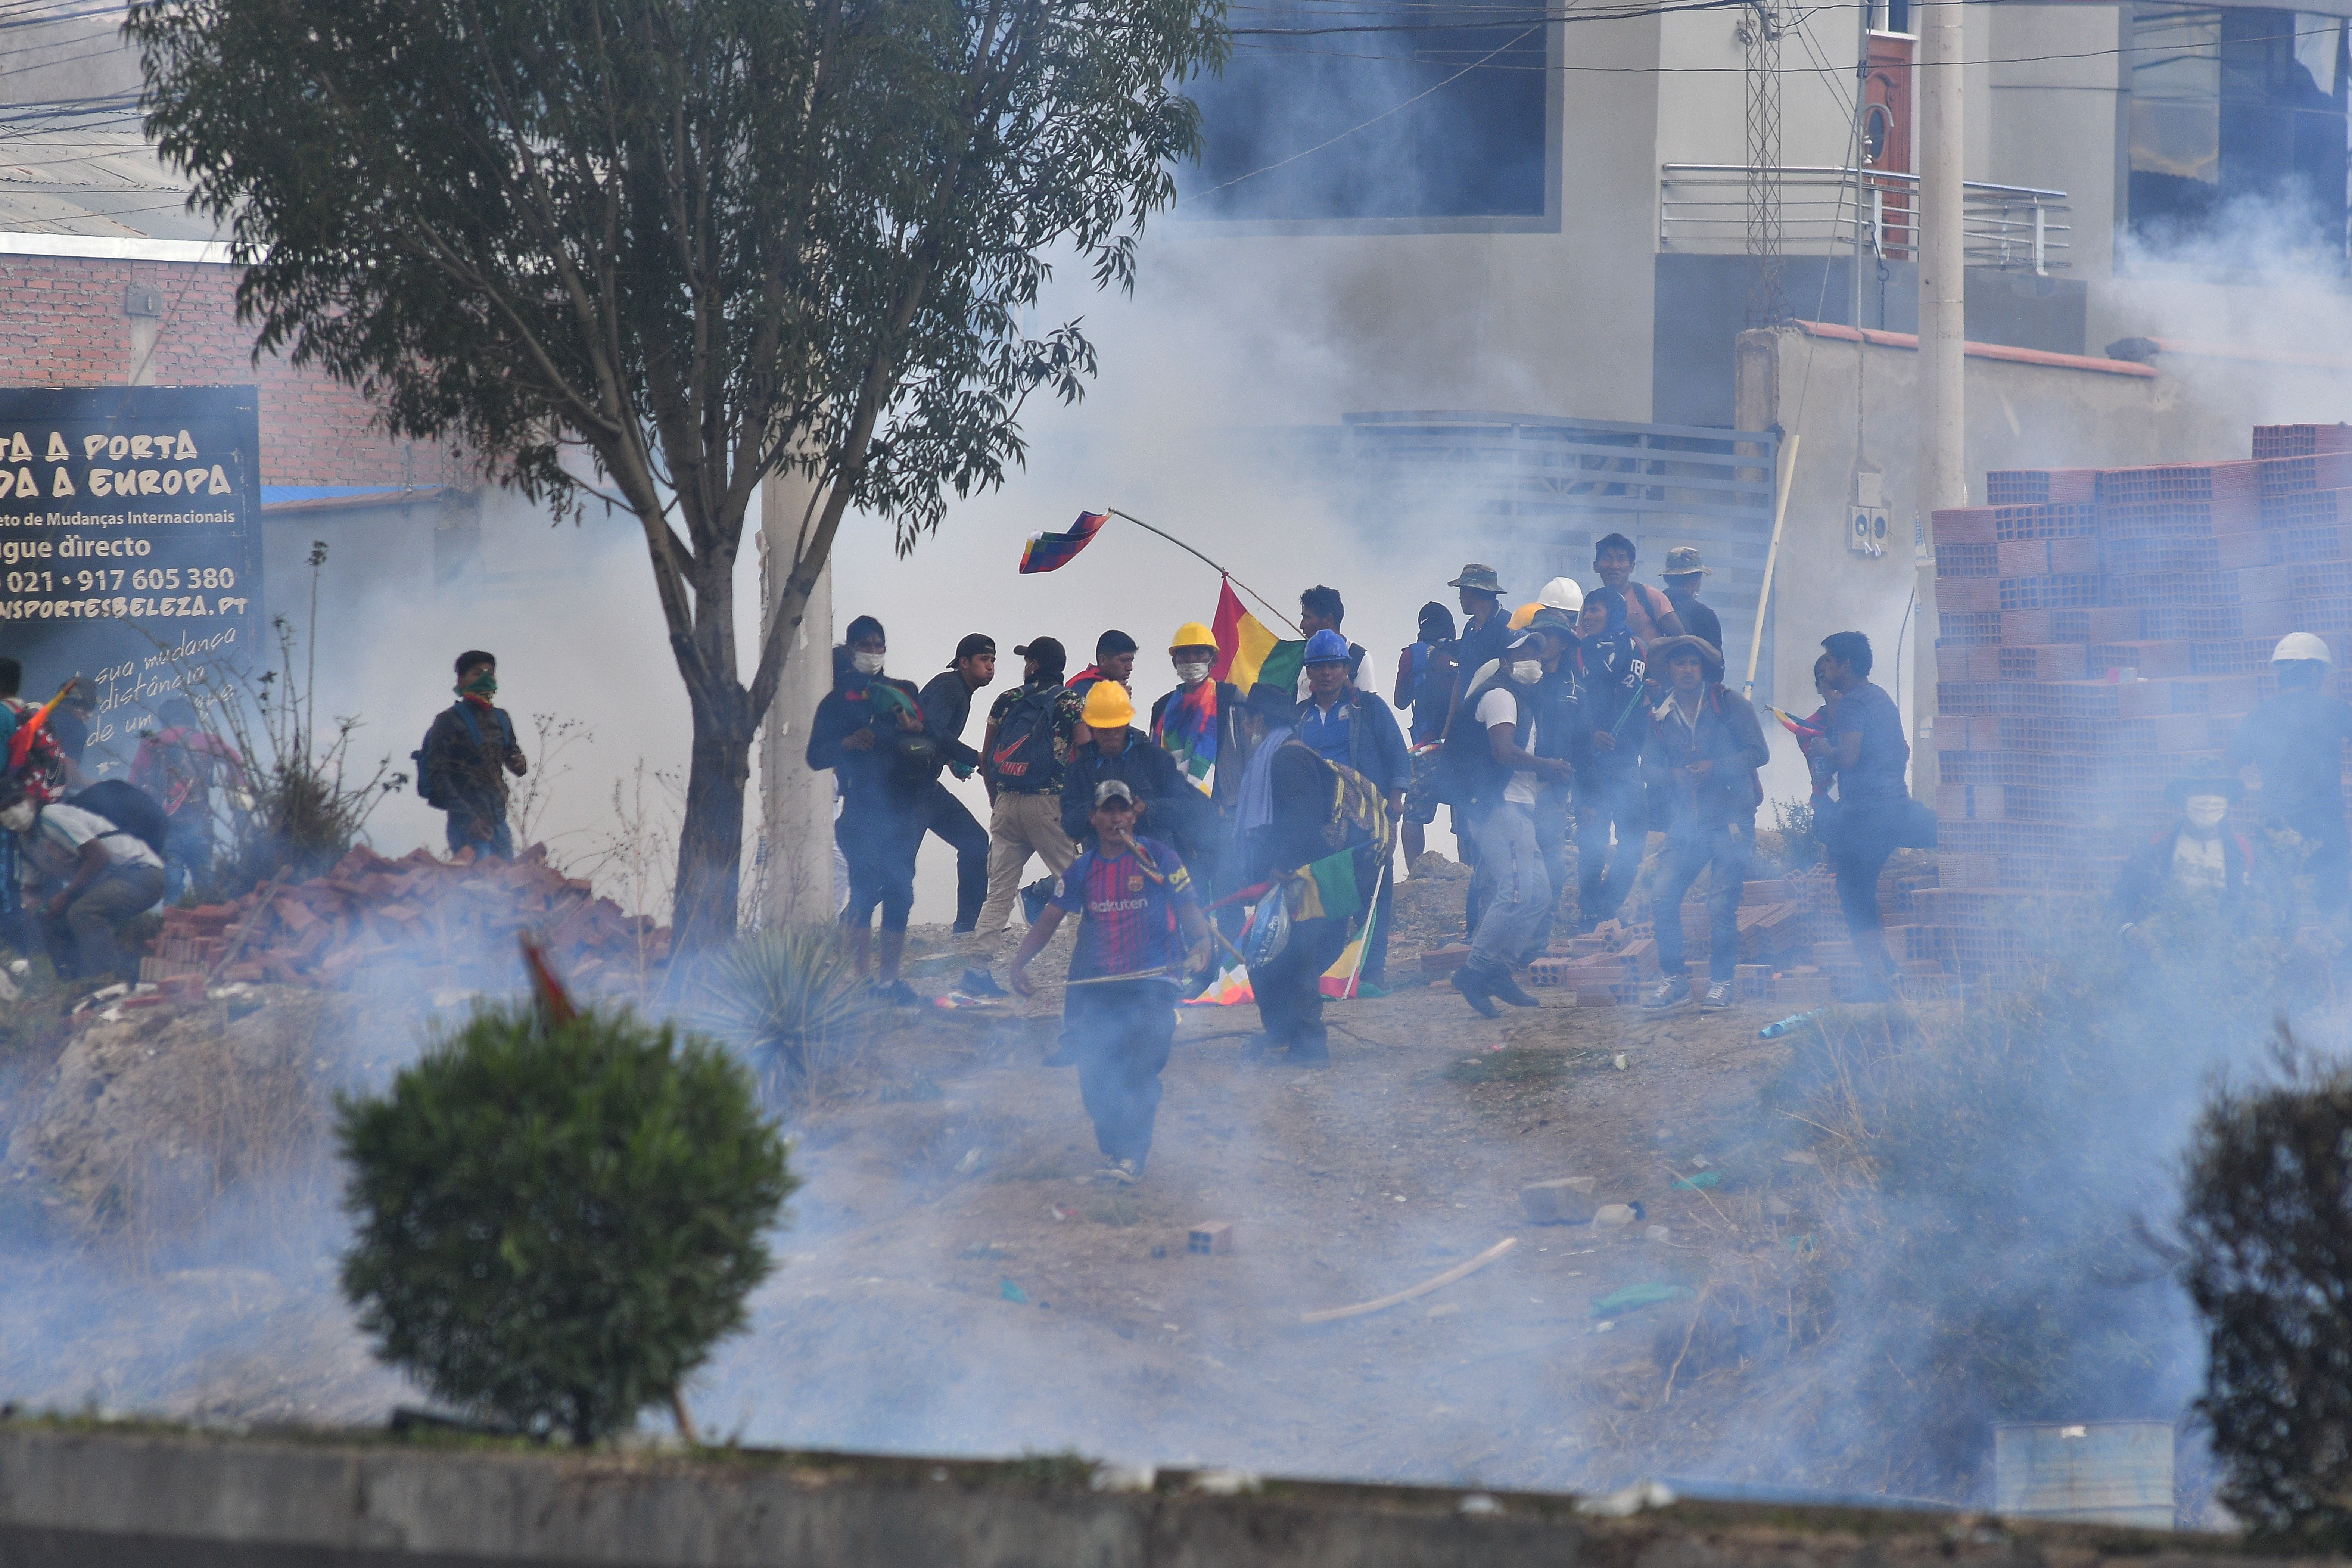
710 839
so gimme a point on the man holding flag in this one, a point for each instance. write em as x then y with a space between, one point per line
1198 725
1279 824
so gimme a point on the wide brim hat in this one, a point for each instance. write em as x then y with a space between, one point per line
1552 619
1663 651
2205 780
1683 561
1478 578
1276 703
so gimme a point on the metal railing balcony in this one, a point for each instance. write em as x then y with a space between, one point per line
1703 207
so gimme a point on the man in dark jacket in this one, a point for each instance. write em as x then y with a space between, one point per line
2195 861
1610 665
947 708
1559 709
869 731
1167 806
1703 747
1684 574
1356 730
1279 820
466 755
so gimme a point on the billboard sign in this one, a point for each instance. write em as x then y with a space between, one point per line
129 543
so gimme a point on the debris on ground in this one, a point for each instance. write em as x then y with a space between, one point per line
415 923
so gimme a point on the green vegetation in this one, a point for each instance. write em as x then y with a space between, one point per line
793 998
2264 1220
556 1223
656 252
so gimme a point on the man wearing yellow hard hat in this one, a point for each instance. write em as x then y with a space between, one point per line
1167 806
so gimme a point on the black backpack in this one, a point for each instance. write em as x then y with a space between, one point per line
134 813
1024 740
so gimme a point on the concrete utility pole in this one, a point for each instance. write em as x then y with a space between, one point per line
1943 480
796 818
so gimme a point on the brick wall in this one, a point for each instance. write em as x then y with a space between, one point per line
64 323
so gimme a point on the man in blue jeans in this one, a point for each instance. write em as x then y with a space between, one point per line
1703 749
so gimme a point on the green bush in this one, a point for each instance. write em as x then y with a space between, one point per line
2267 1229
555 1225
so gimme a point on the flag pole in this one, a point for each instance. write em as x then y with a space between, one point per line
1364 943
1237 582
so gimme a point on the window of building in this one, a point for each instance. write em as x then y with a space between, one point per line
1374 108
2238 129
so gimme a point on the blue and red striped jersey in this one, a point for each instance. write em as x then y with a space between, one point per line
1127 908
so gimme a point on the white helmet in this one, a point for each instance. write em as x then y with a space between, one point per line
1561 593
2297 645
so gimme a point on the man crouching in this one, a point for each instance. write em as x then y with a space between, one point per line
1139 918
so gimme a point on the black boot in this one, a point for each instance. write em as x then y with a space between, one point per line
1505 987
1473 986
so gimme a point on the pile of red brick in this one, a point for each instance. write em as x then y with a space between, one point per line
2100 631
376 924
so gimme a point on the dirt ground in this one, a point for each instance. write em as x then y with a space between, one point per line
951 1281
955 1282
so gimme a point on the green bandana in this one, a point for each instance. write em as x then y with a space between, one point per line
480 686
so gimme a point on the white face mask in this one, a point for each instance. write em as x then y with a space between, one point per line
19 816
1191 671
866 663
1527 671
2206 810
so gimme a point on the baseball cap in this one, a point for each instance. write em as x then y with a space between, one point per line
973 642
1046 651
1113 789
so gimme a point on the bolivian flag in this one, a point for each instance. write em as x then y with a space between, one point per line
1324 889
1247 653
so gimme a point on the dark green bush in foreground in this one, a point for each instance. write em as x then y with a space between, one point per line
555 1224
2266 1217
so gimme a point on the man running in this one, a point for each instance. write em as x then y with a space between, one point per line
1140 932
1704 748
947 708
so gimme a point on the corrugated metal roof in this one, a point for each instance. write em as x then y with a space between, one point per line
85 169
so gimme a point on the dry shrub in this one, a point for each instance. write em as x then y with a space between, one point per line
1984 1175
163 1131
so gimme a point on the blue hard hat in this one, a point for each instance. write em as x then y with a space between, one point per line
1327 647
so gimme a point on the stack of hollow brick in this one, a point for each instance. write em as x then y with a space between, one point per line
2101 631
378 924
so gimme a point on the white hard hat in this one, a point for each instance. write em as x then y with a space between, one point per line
2302 646
1561 593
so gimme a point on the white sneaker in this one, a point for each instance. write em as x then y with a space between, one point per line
1671 991
1718 998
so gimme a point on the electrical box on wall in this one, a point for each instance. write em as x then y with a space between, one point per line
1866 532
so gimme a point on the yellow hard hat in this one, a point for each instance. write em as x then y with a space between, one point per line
1109 707
1192 634
1523 614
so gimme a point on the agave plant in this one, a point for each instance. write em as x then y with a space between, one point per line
792 999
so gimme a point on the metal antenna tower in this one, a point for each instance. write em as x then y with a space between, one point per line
1760 29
